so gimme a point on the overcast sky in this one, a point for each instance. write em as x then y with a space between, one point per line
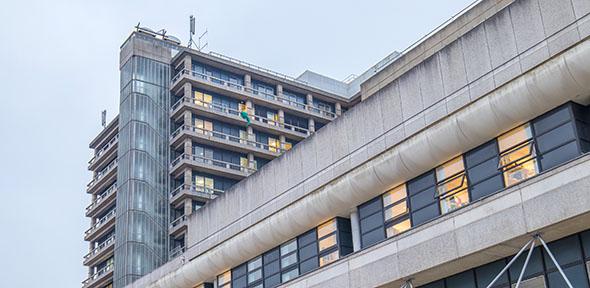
59 69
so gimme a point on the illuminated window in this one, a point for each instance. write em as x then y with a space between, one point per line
273 144
224 280
329 258
326 228
451 185
203 126
243 136
203 99
244 162
517 155
395 210
287 146
327 242
272 116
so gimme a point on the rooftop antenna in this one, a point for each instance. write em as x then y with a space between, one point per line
103 121
192 31
206 43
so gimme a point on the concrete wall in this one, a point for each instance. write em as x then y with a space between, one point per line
410 103
555 203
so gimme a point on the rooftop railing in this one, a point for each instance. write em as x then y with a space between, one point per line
104 219
254 92
231 111
200 190
223 136
100 247
103 149
98 275
101 173
212 162
112 189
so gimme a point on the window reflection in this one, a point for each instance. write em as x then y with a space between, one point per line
517 155
452 185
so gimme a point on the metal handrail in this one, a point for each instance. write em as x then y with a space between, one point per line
101 221
176 251
213 162
98 273
227 137
256 67
100 247
103 149
102 172
254 92
235 112
197 188
102 196
177 221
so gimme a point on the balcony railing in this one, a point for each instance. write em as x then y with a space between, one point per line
98 275
177 221
213 162
223 136
102 196
231 111
101 222
253 92
175 252
100 247
106 147
102 172
201 190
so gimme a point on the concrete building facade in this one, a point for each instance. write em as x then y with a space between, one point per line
464 148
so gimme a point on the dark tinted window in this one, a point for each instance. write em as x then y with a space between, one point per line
486 187
556 137
551 120
559 155
308 265
421 182
425 214
576 275
485 274
566 251
463 280
372 237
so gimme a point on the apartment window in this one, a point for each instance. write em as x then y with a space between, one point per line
308 251
203 99
289 260
273 144
451 186
396 211
255 272
272 268
287 146
203 126
224 280
202 152
518 160
204 184
244 162
327 242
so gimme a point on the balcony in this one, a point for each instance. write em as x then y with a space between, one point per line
239 91
197 192
102 277
102 201
104 155
225 141
101 226
103 179
175 252
178 226
208 165
102 252
232 116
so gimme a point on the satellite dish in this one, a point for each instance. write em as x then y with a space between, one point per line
172 39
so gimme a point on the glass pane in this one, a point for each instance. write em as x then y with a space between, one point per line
398 228
199 96
394 195
207 98
224 278
199 123
521 172
255 264
208 126
287 261
328 242
454 201
243 161
514 137
326 228
288 145
273 144
289 247
286 276
449 169
254 276
396 211
329 258
199 181
209 183
455 184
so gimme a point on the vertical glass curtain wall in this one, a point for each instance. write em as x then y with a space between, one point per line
142 202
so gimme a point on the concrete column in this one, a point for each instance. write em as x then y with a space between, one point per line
251 136
188 147
188 118
188 62
251 160
282 139
311 125
188 90
281 117
188 176
279 90
248 81
309 100
250 107
338 109
356 230
188 207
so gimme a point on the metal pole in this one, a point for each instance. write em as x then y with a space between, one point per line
526 263
567 281
510 263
